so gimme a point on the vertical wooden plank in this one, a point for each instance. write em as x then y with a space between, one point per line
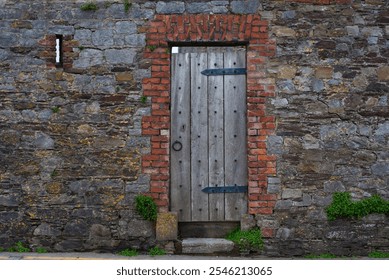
199 137
216 136
180 131
235 135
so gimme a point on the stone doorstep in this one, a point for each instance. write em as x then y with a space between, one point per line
206 246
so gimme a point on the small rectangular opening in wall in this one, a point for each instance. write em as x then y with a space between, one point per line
58 50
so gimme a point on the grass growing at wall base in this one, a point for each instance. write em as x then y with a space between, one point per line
247 239
379 255
343 207
128 253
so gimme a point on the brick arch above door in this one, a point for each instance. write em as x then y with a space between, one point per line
167 30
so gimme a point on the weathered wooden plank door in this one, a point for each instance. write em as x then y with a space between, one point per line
208 134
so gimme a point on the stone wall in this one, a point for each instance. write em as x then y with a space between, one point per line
72 143
331 71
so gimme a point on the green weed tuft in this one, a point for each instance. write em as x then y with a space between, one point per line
247 240
19 247
41 250
379 255
156 251
128 253
343 207
127 5
89 6
146 207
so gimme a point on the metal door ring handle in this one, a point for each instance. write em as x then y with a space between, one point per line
177 146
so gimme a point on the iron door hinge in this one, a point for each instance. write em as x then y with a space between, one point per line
225 189
224 71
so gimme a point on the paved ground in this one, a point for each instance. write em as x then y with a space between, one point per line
107 256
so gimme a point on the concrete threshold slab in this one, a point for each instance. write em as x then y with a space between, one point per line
206 246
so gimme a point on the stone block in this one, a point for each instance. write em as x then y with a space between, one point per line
287 72
280 102
281 31
247 222
139 228
333 186
125 56
89 58
380 168
283 204
126 27
136 40
45 229
173 7
352 31
167 226
283 233
245 7
9 200
383 73
383 129
274 144
374 31
286 86
43 141
124 77
317 85
98 231
102 38
206 246
84 36
289 193
199 7
324 72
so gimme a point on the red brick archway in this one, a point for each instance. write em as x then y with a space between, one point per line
165 30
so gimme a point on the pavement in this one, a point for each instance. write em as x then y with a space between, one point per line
108 256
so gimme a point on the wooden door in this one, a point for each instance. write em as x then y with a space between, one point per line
208 134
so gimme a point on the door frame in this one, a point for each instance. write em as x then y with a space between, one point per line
210 158
167 30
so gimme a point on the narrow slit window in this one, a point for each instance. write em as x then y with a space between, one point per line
58 50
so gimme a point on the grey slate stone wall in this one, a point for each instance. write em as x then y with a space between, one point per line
71 143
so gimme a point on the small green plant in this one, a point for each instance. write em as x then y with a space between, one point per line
41 250
117 89
379 255
143 99
156 251
19 247
343 207
55 109
151 48
1 249
128 253
127 5
250 240
81 48
146 207
89 6
54 173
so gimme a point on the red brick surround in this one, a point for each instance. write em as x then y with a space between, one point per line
245 29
